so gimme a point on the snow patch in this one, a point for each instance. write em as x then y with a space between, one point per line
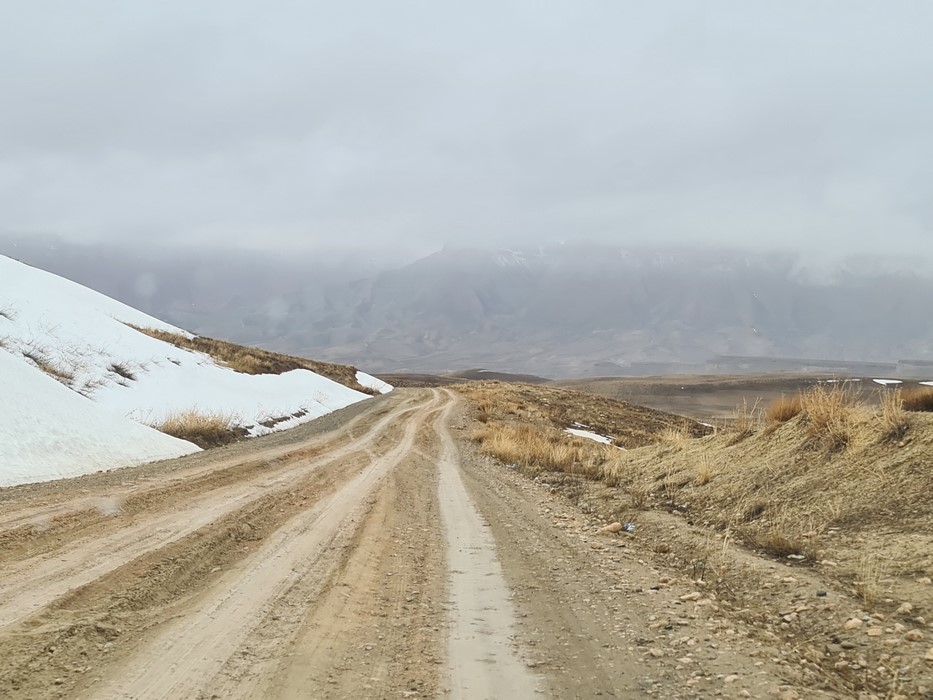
887 382
589 435
49 432
374 383
81 339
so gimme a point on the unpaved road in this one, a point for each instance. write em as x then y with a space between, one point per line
369 554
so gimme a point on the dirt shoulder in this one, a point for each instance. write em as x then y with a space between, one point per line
597 616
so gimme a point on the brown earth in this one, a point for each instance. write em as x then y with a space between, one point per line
709 398
371 554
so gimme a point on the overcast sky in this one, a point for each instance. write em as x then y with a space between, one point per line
309 124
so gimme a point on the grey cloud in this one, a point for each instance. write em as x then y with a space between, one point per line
801 124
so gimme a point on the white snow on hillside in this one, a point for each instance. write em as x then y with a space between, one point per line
374 383
82 338
47 431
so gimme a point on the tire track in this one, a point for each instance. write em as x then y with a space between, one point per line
189 653
482 661
32 584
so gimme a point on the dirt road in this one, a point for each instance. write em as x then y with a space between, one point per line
369 554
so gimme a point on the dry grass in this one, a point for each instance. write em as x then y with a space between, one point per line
249 360
892 414
39 357
746 419
868 581
535 449
628 425
704 470
918 399
203 429
828 469
783 409
831 415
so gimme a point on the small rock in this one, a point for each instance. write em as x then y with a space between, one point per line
821 594
905 609
924 579
914 636
696 595
613 527
730 679
853 624
929 655
875 632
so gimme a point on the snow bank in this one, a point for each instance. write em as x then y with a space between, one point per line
373 383
82 338
49 432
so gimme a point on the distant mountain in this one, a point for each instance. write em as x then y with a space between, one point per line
569 310
578 310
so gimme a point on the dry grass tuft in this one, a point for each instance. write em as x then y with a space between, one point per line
831 414
205 430
55 370
247 360
918 399
704 470
121 369
783 409
893 417
868 580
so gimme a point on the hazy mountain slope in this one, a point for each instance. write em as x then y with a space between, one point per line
565 311
559 311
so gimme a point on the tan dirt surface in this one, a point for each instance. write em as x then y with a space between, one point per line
373 554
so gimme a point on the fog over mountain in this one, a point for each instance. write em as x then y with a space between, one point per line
567 310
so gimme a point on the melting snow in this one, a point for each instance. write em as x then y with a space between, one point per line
589 435
53 324
886 382
371 382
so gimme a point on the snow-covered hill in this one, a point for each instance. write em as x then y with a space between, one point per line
54 329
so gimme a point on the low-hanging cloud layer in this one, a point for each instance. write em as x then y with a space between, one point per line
319 124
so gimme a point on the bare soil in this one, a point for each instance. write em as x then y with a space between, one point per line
376 554
709 398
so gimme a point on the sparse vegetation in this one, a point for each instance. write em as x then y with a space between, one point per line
918 399
535 449
203 429
830 468
248 360
893 416
831 415
783 409
746 420
40 358
121 369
